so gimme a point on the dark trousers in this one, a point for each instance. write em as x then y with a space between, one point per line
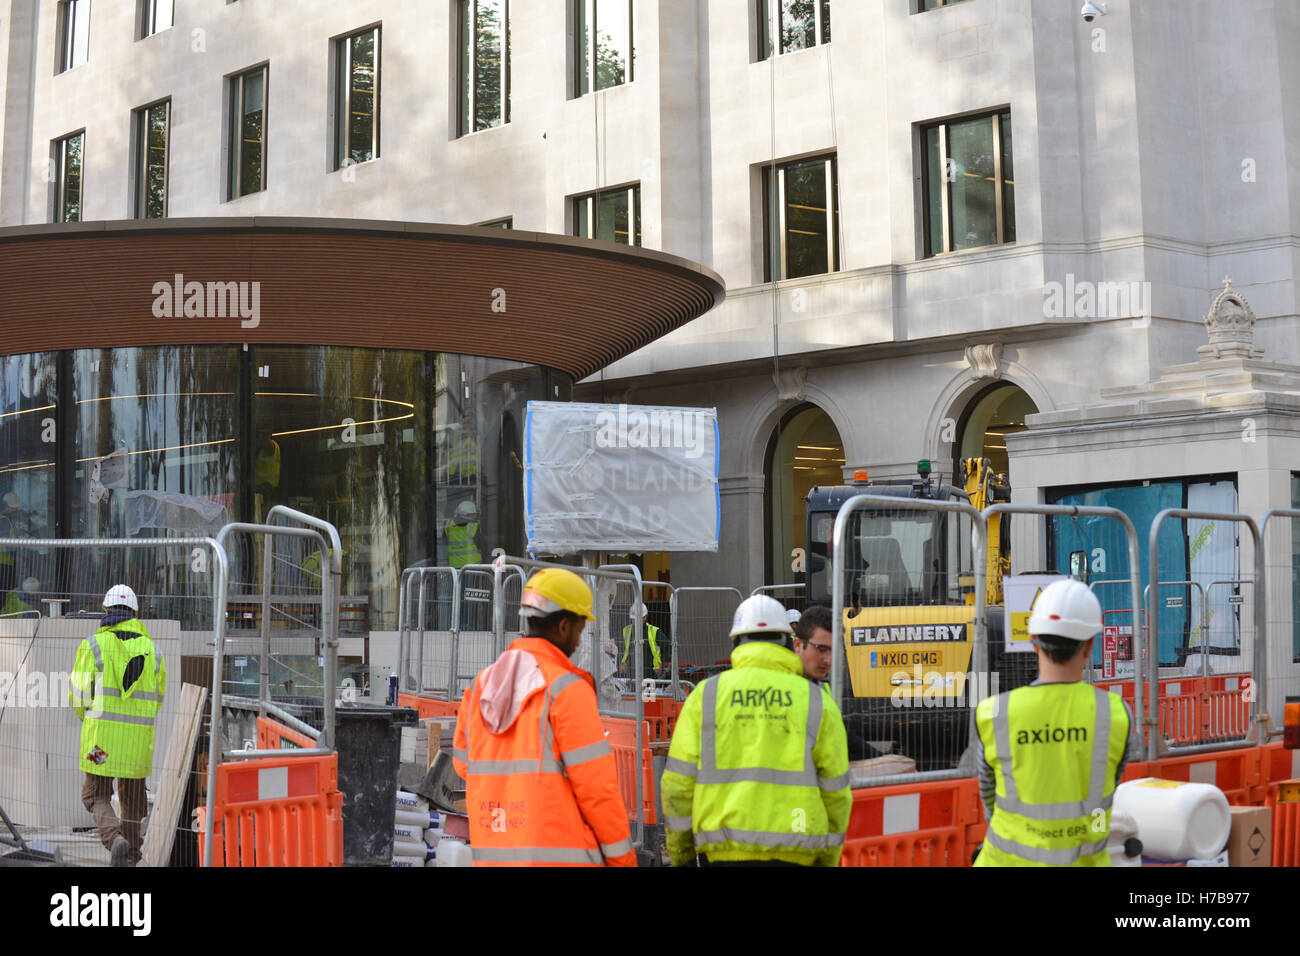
96 794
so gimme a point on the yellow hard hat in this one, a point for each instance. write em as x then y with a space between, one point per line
552 590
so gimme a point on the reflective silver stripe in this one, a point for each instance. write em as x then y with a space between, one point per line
138 695
548 764
157 664
535 854
621 848
118 718
562 682
99 655
677 823
461 755
1096 799
1002 738
802 841
710 772
571 758
1037 854
676 765
787 778
831 784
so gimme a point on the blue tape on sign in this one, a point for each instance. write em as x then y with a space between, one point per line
528 473
717 490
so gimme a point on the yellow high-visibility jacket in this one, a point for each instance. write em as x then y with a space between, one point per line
1055 750
116 689
759 766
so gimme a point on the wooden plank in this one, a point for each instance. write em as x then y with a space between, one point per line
174 772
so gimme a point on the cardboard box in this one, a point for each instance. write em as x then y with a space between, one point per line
1250 842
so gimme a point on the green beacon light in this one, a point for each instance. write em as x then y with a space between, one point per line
923 467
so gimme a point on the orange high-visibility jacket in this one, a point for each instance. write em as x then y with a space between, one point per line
541 786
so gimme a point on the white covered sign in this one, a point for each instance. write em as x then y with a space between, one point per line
620 478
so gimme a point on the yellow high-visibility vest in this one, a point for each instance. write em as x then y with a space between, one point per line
759 766
652 638
116 689
1055 749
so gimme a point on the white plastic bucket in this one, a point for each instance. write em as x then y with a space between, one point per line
1176 821
454 853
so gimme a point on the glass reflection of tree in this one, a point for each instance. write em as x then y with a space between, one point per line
798 25
488 78
361 116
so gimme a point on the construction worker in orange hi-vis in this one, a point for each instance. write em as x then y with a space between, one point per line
541 785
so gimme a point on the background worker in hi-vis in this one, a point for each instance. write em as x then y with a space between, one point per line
117 687
1052 752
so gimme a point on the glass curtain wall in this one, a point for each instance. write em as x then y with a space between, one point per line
416 457
28 438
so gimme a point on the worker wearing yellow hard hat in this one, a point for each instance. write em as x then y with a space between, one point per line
1052 753
541 784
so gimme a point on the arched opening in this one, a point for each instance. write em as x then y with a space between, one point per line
992 415
805 450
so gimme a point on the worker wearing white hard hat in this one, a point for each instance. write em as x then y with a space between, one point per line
755 748
653 648
461 536
1051 753
116 690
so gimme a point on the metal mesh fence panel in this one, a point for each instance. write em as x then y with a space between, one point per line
1281 533
63 735
908 631
1201 613
701 621
426 643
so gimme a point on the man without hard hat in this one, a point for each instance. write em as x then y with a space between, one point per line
1052 753
758 770
116 690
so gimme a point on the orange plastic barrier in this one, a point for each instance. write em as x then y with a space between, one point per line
1238 773
277 811
429 706
1286 830
1196 709
1279 763
273 735
622 740
938 823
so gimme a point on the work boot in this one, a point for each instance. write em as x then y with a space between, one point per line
121 852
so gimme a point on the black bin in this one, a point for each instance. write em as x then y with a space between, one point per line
368 738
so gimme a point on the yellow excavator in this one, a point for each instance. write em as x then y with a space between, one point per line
910 608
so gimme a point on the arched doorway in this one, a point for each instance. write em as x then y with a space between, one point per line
992 415
805 450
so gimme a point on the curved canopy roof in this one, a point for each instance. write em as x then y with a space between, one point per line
571 304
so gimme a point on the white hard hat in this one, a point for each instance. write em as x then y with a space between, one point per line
637 610
760 614
12 500
792 616
1066 609
121 595
467 509
31 584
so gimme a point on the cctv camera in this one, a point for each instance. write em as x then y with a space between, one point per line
1092 10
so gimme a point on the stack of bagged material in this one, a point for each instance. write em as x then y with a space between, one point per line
416 831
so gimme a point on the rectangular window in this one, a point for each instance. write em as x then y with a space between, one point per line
969 184
74 33
152 130
801 218
799 25
356 133
484 65
924 5
68 155
604 51
610 214
156 16
248 132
